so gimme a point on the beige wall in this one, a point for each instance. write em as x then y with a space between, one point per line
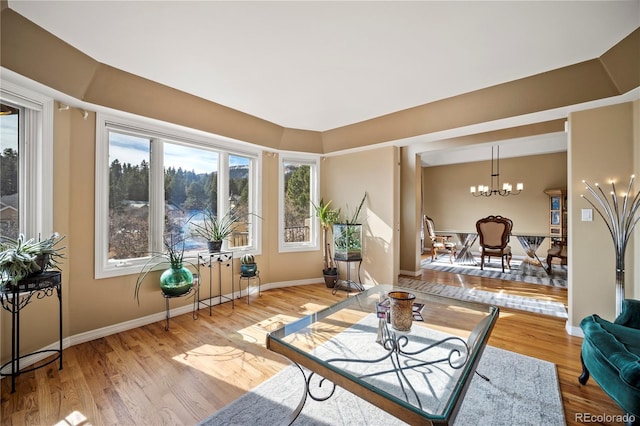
601 148
410 189
345 179
448 202
280 267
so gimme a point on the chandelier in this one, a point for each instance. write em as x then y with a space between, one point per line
488 191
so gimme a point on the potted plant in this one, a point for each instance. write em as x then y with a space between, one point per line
327 217
214 229
22 257
176 280
347 236
248 266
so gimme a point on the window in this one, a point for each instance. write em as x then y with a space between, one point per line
239 198
298 192
154 181
26 165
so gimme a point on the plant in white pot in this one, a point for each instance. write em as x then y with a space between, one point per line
22 257
327 217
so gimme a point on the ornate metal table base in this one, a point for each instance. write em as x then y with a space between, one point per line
465 256
531 243
400 359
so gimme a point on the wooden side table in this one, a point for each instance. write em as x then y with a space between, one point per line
14 298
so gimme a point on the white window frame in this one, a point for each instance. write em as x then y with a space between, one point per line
314 241
35 157
105 268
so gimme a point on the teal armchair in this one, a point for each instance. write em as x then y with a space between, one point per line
611 355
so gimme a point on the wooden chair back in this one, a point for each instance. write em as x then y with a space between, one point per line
430 227
494 231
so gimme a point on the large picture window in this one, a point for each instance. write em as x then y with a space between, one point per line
298 192
11 116
26 165
154 184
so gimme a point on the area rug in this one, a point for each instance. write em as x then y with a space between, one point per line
522 272
522 390
504 300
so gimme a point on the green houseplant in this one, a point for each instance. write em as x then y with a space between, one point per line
214 229
176 280
327 217
22 257
347 236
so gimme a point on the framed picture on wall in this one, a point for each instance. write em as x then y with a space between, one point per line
555 218
555 203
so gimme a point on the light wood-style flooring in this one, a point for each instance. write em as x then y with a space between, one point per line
149 376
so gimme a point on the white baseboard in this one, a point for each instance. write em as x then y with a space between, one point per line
411 273
573 331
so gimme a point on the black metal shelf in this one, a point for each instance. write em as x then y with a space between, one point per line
222 258
14 298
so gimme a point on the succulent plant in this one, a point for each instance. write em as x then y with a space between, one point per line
247 259
21 256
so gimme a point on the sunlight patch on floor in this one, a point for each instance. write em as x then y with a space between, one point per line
76 418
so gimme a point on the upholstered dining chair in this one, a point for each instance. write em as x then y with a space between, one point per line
494 238
439 242
508 237
559 251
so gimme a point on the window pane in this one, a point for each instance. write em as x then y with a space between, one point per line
9 188
190 186
128 196
239 199
297 202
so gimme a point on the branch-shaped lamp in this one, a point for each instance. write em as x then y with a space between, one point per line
620 218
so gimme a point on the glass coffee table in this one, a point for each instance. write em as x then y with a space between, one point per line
419 376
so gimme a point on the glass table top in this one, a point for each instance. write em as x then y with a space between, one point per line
420 375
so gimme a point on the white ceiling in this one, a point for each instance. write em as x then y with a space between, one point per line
322 65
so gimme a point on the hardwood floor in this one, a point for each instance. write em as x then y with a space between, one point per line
151 376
